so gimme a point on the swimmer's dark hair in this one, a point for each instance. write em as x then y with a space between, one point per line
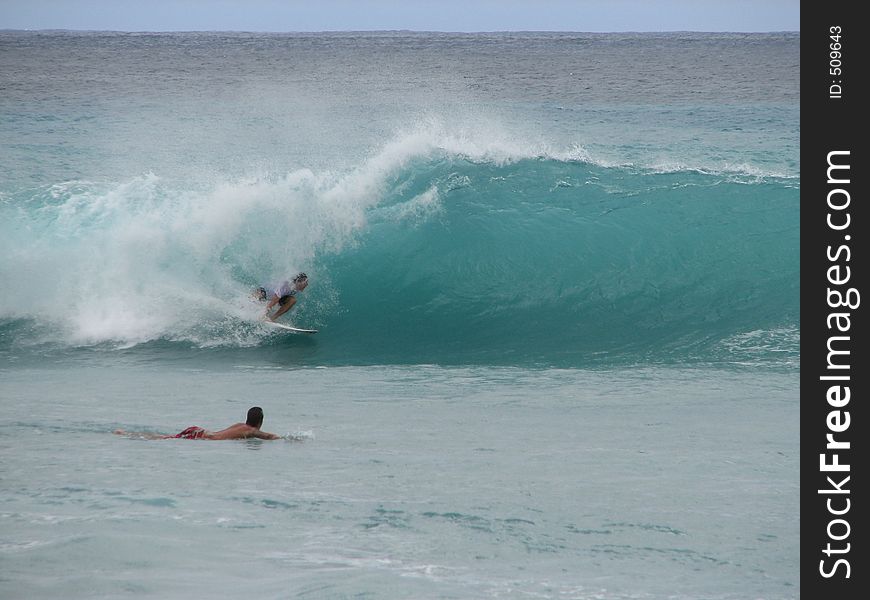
255 416
300 277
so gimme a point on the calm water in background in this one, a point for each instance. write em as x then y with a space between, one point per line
556 278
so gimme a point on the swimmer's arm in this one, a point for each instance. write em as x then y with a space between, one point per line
264 435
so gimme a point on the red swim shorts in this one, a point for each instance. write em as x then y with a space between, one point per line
192 433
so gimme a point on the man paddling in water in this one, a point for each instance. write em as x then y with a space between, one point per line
283 295
249 429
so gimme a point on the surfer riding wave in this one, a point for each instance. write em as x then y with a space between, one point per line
284 295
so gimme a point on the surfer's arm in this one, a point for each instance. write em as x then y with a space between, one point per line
264 435
270 305
290 303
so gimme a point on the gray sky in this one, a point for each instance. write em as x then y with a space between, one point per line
419 15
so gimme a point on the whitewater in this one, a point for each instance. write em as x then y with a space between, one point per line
556 283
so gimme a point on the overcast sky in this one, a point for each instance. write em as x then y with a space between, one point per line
419 15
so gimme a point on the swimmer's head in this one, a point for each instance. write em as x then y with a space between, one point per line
255 417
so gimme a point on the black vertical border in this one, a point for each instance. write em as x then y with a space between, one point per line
833 122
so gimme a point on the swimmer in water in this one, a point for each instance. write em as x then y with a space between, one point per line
239 431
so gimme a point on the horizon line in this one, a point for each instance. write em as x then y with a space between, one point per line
422 31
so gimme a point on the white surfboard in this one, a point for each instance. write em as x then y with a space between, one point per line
288 327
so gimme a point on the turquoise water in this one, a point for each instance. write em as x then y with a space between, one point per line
442 260
556 278
420 482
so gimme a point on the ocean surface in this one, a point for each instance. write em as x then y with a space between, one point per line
556 282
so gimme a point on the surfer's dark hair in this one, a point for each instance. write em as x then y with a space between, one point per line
300 277
255 416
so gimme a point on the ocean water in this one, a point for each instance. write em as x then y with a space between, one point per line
556 278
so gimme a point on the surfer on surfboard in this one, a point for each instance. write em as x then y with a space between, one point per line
284 295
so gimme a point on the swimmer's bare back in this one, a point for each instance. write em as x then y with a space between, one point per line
239 431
